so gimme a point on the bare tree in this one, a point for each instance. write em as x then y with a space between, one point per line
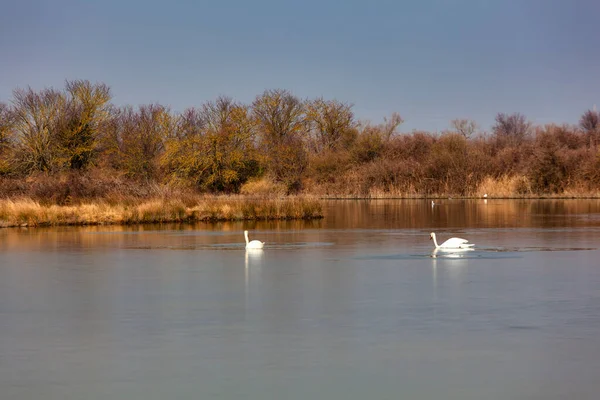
590 123
190 124
330 121
6 123
514 127
6 126
465 127
58 129
279 113
37 120
281 121
135 139
390 125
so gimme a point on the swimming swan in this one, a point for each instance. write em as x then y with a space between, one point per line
255 244
452 243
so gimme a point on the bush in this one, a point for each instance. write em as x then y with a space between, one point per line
327 166
263 187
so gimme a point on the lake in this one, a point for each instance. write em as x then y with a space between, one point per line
353 306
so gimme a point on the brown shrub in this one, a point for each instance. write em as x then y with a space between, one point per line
367 147
328 166
416 146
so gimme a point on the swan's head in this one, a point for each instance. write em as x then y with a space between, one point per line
431 235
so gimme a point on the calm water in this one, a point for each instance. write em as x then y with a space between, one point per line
354 306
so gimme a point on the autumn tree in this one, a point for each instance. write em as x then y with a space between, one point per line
58 130
214 147
86 108
281 120
230 136
184 149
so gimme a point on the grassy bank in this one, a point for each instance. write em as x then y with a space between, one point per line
516 186
28 212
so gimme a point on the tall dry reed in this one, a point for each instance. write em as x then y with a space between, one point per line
27 212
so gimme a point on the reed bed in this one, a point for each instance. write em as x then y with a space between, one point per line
516 186
28 212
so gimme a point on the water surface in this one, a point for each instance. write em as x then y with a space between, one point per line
354 306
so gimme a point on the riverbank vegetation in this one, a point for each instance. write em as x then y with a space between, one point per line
27 212
72 146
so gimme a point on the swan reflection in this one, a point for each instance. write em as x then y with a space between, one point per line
253 256
450 253
252 259
449 270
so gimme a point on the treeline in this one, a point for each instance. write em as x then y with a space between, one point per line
69 144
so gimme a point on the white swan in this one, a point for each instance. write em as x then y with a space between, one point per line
255 244
452 243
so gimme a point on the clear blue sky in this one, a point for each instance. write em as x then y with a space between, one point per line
429 60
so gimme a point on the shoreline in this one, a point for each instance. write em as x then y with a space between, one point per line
26 212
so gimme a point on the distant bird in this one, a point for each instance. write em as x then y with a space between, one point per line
452 243
255 244
432 203
485 195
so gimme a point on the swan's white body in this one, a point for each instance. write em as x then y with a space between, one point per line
452 243
255 244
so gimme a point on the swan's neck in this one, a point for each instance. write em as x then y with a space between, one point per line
435 241
246 236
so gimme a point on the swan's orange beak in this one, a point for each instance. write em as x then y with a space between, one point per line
430 238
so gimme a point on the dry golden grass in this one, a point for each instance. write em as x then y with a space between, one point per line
519 187
511 187
505 186
262 187
394 193
27 212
